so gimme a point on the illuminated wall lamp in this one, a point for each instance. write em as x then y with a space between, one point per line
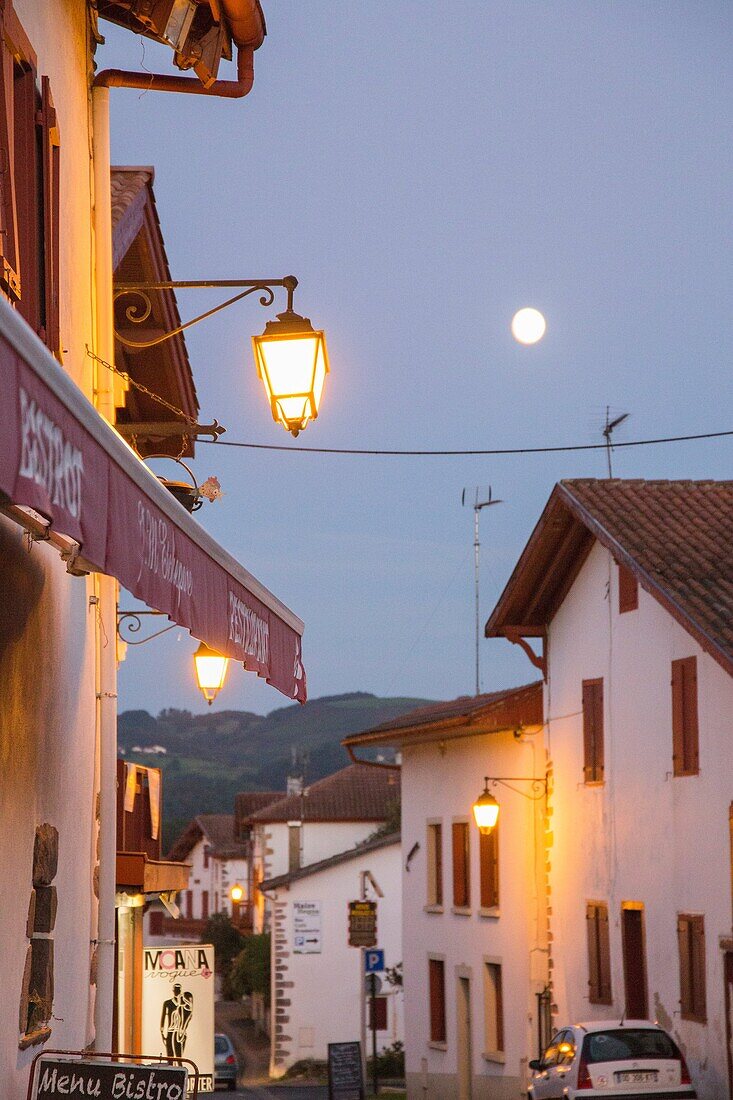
211 670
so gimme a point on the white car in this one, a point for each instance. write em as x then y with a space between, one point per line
617 1060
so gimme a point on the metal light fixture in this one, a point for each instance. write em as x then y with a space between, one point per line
290 355
486 810
211 670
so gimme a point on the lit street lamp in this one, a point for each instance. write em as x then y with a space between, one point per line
236 893
486 810
211 670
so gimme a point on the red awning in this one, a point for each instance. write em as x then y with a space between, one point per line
111 515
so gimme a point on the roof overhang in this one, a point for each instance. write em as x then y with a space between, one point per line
516 709
137 874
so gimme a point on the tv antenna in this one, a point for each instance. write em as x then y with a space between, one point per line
610 426
482 499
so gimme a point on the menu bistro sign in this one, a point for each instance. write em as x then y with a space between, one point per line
57 1078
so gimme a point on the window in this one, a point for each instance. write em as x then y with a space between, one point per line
691 939
599 953
461 874
29 186
204 905
435 864
489 868
493 1009
436 970
628 590
593 731
207 850
685 749
155 922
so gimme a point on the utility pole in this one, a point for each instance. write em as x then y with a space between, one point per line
478 504
608 429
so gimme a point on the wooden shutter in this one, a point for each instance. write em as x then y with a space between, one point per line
628 590
593 731
461 885
438 849
377 1013
155 924
685 732
599 953
489 862
9 251
51 187
204 904
436 971
499 1007
691 942
27 199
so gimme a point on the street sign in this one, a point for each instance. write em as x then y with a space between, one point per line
373 961
306 927
345 1080
372 985
362 924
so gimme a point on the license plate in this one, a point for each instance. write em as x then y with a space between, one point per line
636 1077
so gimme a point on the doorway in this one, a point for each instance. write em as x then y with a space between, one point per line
634 952
463 1044
728 979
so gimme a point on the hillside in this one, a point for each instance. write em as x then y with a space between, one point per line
209 757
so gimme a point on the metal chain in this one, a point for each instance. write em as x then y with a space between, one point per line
139 386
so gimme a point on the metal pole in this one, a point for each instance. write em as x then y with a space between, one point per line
375 1080
476 548
362 990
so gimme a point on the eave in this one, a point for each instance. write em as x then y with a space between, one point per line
135 872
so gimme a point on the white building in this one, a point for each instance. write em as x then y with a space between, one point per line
474 914
328 817
218 861
628 586
317 979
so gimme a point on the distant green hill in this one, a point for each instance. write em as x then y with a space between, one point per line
209 757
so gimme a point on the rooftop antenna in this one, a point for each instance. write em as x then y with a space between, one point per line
608 429
482 499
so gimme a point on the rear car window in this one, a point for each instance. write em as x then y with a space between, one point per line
221 1044
627 1043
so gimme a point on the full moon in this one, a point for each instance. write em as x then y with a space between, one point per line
528 325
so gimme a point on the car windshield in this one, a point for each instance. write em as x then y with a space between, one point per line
221 1044
627 1043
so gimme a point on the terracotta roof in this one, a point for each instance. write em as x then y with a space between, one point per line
248 802
675 536
332 861
357 793
217 829
467 716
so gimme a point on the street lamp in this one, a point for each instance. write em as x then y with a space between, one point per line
211 670
290 355
236 893
486 810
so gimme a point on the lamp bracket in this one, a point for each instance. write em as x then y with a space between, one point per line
539 785
163 429
131 622
138 313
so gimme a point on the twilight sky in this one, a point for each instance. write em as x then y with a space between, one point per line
426 169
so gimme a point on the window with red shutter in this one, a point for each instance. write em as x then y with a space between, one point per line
489 868
685 733
493 1010
461 875
435 864
436 973
628 590
691 942
599 953
593 766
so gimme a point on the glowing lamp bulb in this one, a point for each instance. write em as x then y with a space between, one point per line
211 670
486 811
236 893
528 326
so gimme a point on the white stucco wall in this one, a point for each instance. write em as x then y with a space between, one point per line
47 628
440 783
217 879
644 835
322 1004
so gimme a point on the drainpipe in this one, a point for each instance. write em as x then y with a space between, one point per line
106 590
159 82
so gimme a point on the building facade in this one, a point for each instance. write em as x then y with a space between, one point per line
628 586
475 936
318 981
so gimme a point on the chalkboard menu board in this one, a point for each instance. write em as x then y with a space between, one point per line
345 1081
57 1078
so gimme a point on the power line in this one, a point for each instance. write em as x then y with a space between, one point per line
447 454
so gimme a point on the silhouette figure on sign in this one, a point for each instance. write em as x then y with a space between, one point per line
177 1013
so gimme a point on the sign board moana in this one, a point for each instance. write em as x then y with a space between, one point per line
178 1006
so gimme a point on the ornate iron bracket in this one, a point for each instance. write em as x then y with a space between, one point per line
162 429
539 785
137 314
131 622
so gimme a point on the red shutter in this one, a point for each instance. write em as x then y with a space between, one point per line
591 923
155 924
51 185
499 1008
461 885
697 967
436 971
685 731
438 856
593 731
377 1013
604 956
489 861
27 199
683 944
204 904
9 256
628 590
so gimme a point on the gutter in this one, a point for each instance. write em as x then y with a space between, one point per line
159 82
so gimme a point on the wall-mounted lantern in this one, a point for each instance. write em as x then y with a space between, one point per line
211 670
